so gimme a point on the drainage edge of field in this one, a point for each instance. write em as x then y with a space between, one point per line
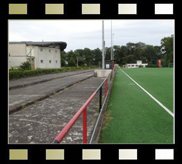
22 106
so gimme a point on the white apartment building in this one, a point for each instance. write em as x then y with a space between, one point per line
39 54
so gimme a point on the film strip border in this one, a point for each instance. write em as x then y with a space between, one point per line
92 154
93 9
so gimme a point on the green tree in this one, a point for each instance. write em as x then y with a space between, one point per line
130 59
88 56
150 54
167 46
63 58
107 53
117 53
97 56
123 54
63 62
79 56
72 62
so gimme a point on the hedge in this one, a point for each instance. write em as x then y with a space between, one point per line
16 74
152 65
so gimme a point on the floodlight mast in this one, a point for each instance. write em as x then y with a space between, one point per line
111 42
112 56
103 46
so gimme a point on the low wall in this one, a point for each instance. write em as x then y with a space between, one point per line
102 72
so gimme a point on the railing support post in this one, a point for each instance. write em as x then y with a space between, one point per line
85 125
111 75
100 101
106 87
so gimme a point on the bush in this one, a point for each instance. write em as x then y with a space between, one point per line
13 68
84 65
15 74
151 65
25 66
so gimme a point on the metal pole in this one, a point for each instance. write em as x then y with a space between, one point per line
85 125
112 48
111 40
106 87
103 63
100 100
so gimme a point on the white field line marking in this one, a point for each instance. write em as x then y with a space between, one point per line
166 109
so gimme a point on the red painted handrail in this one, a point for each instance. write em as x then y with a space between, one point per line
65 130
83 110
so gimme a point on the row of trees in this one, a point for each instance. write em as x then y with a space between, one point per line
122 54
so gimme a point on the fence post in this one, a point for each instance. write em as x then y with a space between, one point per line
106 87
85 125
108 77
100 101
111 75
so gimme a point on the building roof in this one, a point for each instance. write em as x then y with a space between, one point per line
51 44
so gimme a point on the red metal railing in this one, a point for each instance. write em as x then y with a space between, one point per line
82 110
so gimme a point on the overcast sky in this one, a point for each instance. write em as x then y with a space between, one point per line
80 34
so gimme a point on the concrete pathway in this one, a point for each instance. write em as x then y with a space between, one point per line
21 97
42 78
42 121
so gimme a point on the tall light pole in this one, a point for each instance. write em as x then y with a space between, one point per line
103 46
112 47
111 41
112 56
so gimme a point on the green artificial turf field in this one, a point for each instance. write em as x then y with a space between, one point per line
132 115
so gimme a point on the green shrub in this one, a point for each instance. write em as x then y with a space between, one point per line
15 74
25 66
151 65
84 65
14 69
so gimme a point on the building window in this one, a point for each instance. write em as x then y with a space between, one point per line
49 61
41 61
41 49
55 51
